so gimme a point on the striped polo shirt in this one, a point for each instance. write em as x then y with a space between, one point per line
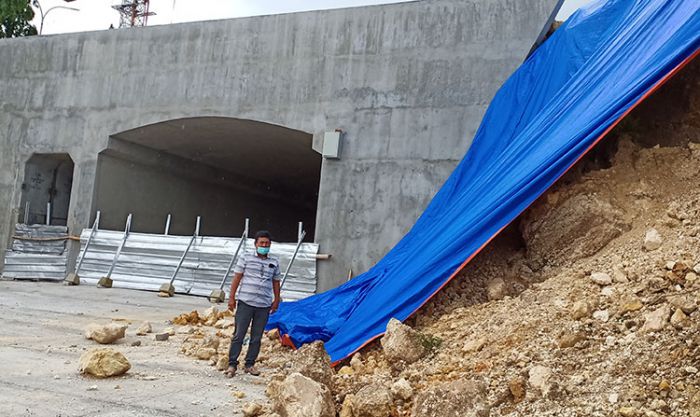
255 288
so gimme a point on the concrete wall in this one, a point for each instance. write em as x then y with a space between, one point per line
408 83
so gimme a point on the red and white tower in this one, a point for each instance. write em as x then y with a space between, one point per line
133 13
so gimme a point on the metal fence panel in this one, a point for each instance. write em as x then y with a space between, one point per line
148 260
37 252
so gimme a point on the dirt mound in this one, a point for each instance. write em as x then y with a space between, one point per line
573 310
607 347
601 326
588 305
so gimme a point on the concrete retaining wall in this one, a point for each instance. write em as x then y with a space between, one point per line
408 83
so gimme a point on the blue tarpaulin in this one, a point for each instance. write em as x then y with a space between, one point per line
603 61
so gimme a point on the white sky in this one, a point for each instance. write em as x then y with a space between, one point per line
98 14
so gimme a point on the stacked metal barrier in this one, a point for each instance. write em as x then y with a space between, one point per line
37 252
147 261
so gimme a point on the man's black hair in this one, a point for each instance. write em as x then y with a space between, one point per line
263 233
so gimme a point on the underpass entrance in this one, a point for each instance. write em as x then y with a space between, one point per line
222 169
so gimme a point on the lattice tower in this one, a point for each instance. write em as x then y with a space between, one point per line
133 13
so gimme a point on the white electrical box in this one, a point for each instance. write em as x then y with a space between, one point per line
331 145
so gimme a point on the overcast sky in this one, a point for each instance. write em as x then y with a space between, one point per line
98 14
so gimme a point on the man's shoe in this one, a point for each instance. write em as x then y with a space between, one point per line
252 370
230 372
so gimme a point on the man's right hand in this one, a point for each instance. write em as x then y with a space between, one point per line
232 303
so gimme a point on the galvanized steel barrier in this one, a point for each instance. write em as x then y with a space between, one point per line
147 261
38 251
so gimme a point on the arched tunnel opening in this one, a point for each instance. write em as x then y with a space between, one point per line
222 169
46 189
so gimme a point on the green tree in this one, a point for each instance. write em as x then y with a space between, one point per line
15 16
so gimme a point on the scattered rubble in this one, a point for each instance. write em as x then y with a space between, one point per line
402 390
496 289
105 333
588 327
161 337
209 317
656 320
299 396
144 329
401 343
540 379
460 398
313 362
652 240
188 318
252 410
601 278
103 363
372 400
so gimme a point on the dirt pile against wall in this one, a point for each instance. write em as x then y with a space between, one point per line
585 306
612 331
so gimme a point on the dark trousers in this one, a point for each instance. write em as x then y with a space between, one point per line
245 314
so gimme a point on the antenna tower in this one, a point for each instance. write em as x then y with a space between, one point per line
133 13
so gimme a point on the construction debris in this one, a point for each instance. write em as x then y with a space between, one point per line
461 398
187 318
313 362
161 337
105 333
402 390
402 343
209 317
652 240
299 396
252 410
144 329
103 363
373 400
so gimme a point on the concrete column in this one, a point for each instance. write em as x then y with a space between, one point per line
81 204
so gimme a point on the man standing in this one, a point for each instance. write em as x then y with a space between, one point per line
257 280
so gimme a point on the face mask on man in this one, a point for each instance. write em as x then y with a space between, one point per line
262 250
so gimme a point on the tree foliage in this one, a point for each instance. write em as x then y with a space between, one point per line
15 16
